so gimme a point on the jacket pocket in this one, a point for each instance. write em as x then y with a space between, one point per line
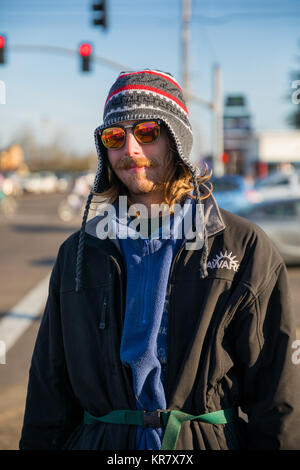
107 329
103 312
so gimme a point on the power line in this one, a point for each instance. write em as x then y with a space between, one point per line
248 15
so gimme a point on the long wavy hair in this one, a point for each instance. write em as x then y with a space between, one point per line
178 183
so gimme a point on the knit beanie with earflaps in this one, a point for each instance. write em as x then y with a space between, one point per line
145 94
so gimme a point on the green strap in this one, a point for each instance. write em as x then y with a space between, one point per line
176 418
172 420
117 417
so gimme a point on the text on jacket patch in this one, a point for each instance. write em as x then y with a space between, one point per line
224 260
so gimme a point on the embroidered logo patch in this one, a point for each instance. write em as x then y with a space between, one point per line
224 260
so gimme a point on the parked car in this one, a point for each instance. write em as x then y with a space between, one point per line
40 182
11 184
233 192
279 184
32 183
72 207
49 182
280 220
64 180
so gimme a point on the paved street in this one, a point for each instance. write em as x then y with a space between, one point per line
29 245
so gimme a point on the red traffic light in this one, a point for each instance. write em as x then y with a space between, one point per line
85 49
225 158
3 48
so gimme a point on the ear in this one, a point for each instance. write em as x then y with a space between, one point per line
104 153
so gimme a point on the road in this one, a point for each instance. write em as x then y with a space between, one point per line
29 245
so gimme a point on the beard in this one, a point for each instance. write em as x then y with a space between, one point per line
151 179
138 183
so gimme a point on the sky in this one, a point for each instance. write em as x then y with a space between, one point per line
256 44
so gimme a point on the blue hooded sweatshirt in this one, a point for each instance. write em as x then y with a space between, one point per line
143 346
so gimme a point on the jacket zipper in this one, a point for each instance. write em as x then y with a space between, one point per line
144 303
121 290
106 301
103 313
169 291
122 313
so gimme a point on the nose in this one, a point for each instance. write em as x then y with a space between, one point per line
131 145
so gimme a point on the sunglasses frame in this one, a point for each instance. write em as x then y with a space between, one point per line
132 126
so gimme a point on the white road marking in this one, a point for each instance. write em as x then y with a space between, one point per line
19 318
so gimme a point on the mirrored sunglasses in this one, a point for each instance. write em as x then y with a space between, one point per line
145 132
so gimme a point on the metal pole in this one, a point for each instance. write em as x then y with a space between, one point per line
185 37
66 51
218 133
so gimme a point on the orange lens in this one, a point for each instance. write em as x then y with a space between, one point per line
146 132
113 137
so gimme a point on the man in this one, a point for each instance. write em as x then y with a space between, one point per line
156 342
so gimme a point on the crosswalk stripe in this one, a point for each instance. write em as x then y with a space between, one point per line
19 318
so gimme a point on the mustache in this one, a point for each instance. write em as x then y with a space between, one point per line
129 162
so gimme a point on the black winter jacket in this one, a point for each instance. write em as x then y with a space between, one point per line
230 344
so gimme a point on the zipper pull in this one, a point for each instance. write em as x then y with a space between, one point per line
103 314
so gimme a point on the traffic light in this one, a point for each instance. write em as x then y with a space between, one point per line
2 49
225 158
85 52
100 20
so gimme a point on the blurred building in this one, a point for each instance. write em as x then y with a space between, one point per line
12 158
272 150
238 135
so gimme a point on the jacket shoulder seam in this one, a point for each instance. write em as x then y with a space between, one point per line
255 301
257 293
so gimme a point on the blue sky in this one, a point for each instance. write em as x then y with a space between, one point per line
254 42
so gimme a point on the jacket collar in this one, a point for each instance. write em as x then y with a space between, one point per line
212 217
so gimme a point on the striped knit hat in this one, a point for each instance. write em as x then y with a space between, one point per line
145 94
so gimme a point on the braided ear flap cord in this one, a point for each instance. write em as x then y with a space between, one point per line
204 254
80 248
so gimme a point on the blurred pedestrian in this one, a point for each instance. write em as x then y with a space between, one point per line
153 342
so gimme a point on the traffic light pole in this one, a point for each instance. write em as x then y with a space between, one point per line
185 38
218 137
71 52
